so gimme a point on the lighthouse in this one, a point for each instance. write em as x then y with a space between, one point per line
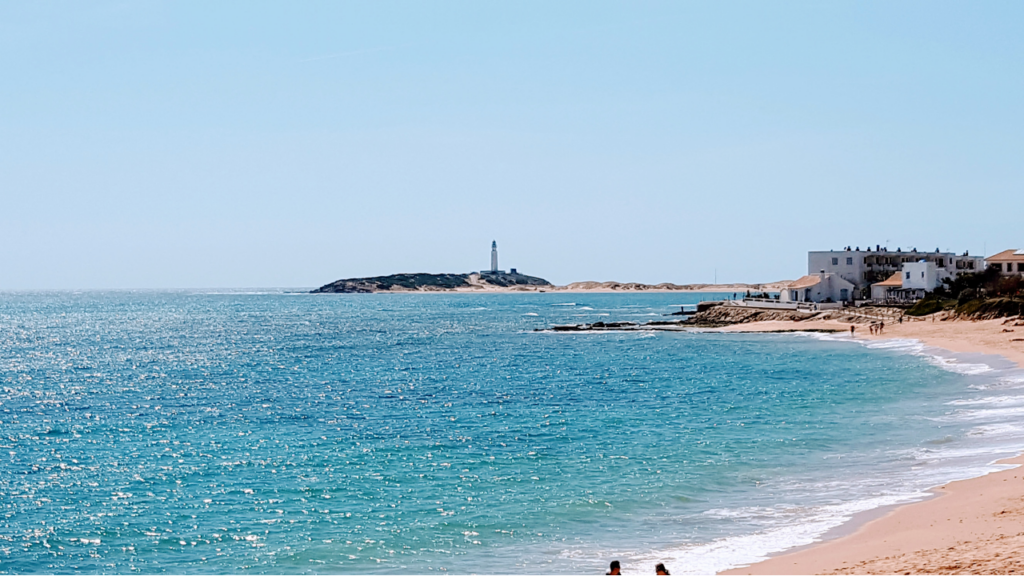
494 256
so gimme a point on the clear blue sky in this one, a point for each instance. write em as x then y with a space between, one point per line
198 144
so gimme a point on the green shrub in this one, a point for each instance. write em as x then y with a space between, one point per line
926 307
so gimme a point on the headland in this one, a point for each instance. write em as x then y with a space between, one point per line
424 282
514 282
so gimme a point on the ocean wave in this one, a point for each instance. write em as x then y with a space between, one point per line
953 365
936 356
990 414
1003 429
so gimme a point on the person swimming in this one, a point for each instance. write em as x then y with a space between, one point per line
660 570
613 569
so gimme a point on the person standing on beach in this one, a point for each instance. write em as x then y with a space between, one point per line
852 335
881 327
613 570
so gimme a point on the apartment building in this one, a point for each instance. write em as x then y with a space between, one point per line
862 268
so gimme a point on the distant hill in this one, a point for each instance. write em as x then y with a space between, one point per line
433 283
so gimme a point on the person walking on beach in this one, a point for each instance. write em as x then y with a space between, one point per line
852 335
660 570
881 327
613 570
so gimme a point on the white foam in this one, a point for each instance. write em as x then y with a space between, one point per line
565 304
995 400
798 529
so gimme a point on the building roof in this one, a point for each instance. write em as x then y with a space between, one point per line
1010 255
804 282
896 280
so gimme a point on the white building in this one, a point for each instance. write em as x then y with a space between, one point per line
494 256
910 284
866 267
821 287
922 275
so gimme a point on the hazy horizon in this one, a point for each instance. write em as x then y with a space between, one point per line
188 145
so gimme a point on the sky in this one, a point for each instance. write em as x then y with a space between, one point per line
281 144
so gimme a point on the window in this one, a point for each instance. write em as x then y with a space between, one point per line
908 275
922 274
849 261
835 261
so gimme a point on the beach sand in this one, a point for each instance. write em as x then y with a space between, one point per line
973 526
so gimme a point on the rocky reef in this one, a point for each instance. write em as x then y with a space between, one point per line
719 314
422 282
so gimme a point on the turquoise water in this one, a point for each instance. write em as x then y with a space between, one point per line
191 432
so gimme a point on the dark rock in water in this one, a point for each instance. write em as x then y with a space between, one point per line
612 324
428 283
590 327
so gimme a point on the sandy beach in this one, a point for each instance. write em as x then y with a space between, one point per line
973 526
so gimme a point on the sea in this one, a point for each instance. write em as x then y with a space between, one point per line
272 431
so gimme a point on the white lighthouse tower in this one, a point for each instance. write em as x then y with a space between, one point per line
494 256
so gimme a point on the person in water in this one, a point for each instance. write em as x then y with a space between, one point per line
660 570
613 570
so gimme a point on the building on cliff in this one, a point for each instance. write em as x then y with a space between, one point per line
863 268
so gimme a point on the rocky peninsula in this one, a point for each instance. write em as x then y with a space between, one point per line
423 282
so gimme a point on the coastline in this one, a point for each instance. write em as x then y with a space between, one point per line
971 526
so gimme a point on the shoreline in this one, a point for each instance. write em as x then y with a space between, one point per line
968 526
